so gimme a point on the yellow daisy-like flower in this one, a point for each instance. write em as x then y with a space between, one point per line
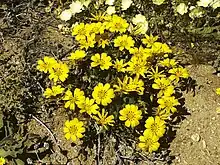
54 91
102 60
2 161
155 126
129 85
148 142
218 91
155 74
159 48
124 42
117 24
164 85
74 129
168 103
72 101
103 94
162 113
89 41
87 105
131 115
141 53
103 119
103 42
47 64
165 48
149 40
79 31
59 72
137 66
77 55
177 73
119 65
168 63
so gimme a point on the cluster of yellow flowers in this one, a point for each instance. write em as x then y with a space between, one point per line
140 65
57 69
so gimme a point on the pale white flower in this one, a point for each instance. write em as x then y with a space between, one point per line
158 2
204 3
66 15
182 8
76 7
216 4
142 27
125 4
141 24
138 19
109 2
196 12
110 10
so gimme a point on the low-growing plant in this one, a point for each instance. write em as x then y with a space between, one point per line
116 80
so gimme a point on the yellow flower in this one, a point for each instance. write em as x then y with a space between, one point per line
60 72
168 103
78 54
124 42
87 105
56 90
155 74
103 60
176 73
73 129
129 85
46 65
218 91
148 142
98 28
103 94
149 40
165 48
141 53
2 161
119 65
99 16
168 63
89 41
162 113
155 126
103 119
117 24
158 48
122 86
137 66
164 85
72 100
79 31
103 42
136 84
131 115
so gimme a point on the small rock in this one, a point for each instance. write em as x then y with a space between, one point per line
218 110
203 144
195 137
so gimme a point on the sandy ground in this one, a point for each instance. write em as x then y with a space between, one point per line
197 141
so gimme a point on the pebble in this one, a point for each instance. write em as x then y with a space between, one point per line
203 144
195 137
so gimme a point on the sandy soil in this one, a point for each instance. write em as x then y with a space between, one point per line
197 141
